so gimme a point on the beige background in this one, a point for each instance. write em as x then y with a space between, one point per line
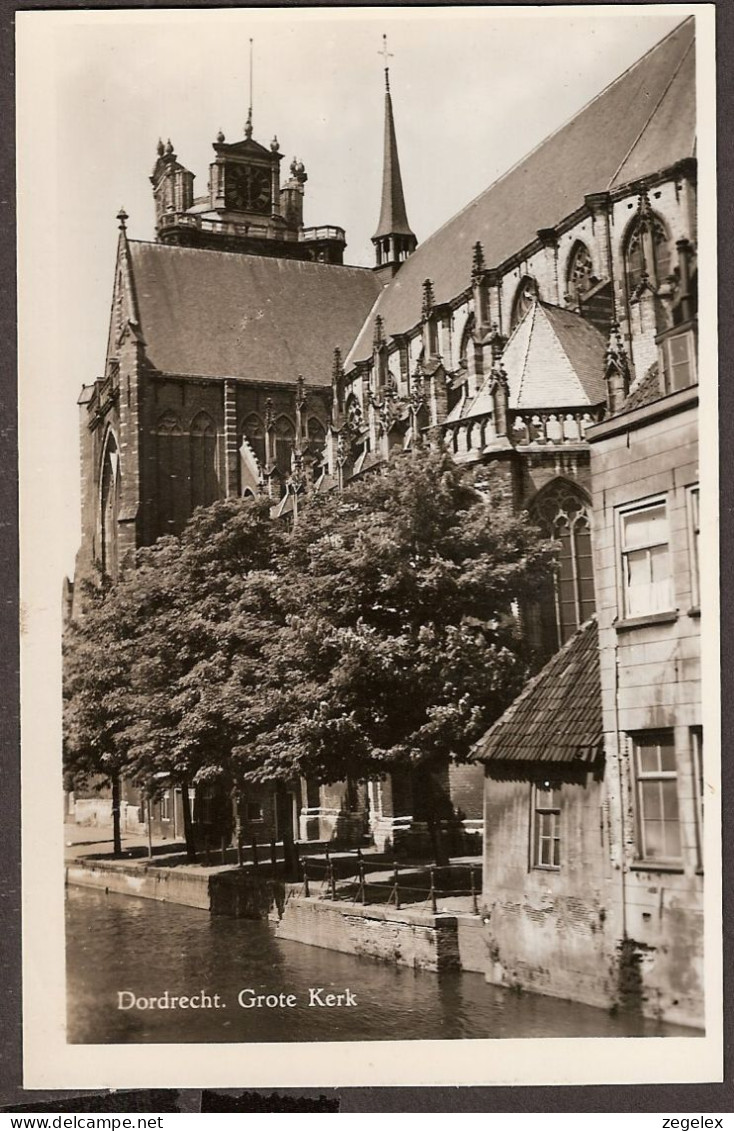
65 270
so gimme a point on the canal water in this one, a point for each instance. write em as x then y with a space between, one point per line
138 948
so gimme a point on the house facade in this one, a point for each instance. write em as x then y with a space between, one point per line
645 484
593 867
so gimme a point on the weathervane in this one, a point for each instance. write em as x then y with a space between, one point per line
386 55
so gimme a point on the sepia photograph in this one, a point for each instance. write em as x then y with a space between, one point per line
370 601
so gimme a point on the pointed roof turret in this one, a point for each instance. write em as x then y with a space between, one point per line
393 214
394 239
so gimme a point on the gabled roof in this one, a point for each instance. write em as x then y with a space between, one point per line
221 314
553 359
558 716
642 123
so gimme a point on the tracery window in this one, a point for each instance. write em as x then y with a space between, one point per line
580 274
466 339
285 435
525 295
638 250
564 514
316 435
110 507
203 461
171 475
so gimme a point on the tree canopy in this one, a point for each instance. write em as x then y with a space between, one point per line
381 631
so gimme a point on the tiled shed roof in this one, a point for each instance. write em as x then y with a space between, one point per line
645 391
643 122
221 314
557 717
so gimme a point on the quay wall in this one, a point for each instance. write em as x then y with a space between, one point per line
417 939
473 943
170 884
227 891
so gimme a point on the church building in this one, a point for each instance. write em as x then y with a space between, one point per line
239 336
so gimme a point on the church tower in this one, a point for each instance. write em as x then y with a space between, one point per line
245 209
394 239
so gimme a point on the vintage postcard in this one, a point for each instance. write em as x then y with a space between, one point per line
370 698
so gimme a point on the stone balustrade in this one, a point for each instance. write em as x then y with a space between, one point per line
551 427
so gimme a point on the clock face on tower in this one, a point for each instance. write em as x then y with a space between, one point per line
247 188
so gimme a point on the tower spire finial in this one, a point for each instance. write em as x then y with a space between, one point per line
248 125
394 239
386 55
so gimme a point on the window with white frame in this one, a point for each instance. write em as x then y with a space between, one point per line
647 582
656 781
546 802
694 529
678 360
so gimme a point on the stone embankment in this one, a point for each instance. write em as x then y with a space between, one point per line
429 921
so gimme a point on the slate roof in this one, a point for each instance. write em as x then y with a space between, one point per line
215 314
558 716
393 216
643 122
554 359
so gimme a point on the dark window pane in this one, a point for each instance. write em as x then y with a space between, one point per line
667 756
648 759
652 801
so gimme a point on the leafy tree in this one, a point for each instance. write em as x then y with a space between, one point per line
381 633
97 700
401 639
177 636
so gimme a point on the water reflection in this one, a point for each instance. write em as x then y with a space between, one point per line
115 943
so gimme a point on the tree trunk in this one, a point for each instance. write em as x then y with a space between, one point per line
433 817
188 823
237 806
116 832
283 809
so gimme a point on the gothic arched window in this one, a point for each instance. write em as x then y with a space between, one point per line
285 434
316 435
203 461
466 339
172 473
110 505
253 431
525 295
580 272
563 512
646 252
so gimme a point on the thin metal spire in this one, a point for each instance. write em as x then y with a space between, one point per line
386 55
248 127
